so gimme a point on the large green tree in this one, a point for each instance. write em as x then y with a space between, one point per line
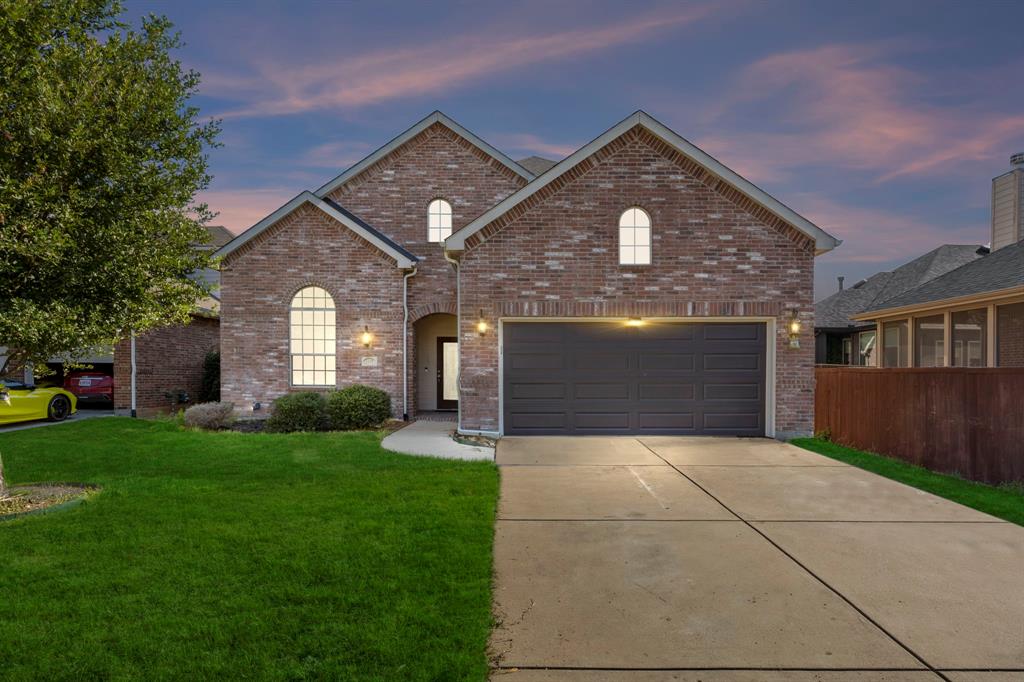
101 158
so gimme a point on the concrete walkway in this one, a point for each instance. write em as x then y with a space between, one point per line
640 560
434 439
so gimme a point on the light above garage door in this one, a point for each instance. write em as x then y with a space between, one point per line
587 378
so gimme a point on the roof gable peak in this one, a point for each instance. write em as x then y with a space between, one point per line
435 117
822 240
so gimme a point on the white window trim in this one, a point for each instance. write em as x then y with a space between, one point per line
442 231
634 231
331 344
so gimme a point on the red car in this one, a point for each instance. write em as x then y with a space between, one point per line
90 386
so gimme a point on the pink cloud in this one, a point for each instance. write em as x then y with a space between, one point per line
339 154
240 209
873 235
843 106
280 88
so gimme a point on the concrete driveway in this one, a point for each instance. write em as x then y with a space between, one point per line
670 558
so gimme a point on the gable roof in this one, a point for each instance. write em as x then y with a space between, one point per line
536 164
403 259
217 236
998 271
822 240
838 311
416 129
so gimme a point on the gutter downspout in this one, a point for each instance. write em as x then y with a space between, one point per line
458 327
405 344
134 414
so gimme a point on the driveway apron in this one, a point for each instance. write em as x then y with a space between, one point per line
742 559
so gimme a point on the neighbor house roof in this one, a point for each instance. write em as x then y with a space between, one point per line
822 240
1000 271
838 310
536 164
402 138
219 236
403 258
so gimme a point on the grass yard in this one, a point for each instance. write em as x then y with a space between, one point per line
1005 502
251 556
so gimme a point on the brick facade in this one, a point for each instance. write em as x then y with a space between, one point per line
716 253
558 257
168 360
258 281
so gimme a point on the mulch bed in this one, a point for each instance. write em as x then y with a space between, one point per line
26 499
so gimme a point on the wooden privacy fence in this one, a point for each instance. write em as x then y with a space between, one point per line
954 420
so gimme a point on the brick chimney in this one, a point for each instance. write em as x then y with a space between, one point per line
1008 205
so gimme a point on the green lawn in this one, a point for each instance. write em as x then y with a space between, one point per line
250 556
1005 502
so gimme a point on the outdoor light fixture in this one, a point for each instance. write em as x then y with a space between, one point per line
635 322
794 330
256 407
367 337
481 324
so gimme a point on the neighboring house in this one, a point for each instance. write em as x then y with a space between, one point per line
168 361
636 286
841 340
971 316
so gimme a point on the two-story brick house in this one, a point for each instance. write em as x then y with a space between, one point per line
636 286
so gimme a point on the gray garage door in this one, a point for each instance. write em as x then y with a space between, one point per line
607 378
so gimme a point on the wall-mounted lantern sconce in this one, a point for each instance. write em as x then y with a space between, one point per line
367 337
794 330
481 324
256 407
635 322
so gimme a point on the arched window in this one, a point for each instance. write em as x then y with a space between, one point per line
635 237
439 220
313 338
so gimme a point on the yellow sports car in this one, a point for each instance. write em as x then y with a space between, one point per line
21 403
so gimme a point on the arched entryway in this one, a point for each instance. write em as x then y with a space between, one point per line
437 363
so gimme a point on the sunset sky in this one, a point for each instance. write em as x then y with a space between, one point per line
881 122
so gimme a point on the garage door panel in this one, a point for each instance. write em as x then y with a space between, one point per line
601 421
730 392
733 332
537 361
536 421
610 361
731 421
685 378
525 390
721 362
618 390
666 361
666 391
675 421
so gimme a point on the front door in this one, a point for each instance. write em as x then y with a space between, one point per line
447 373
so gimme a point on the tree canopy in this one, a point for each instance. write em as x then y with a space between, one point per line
101 158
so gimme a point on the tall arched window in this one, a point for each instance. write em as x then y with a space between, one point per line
635 237
313 338
439 220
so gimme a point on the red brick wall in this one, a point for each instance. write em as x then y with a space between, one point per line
257 285
1010 335
307 247
167 360
393 196
558 257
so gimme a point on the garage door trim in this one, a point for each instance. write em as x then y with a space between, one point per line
770 344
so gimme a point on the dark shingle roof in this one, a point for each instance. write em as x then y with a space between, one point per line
219 235
834 312
366 226
536 164
1001 269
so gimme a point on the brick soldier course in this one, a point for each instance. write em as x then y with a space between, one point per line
522 247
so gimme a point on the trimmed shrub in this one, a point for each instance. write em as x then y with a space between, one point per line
209 390
210 416
358 407
305 411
